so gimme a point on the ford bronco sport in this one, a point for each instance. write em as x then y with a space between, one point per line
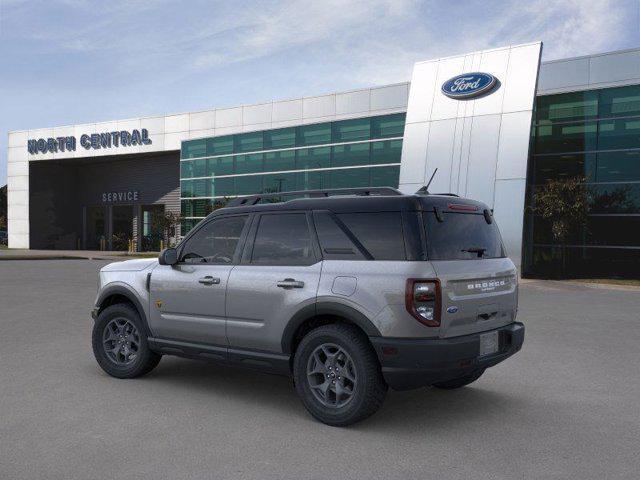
349 291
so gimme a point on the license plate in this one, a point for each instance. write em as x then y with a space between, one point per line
488 343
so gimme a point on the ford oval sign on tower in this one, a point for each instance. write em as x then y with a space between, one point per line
469 85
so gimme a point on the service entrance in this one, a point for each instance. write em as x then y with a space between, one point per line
121 227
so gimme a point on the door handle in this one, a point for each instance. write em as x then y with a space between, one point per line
209 280
290 283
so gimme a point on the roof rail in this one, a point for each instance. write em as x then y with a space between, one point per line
253 199
446 194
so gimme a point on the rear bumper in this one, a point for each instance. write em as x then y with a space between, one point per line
413 363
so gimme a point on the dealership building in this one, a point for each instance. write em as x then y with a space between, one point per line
496 124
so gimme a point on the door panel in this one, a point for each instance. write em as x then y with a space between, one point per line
192 302
187 300
258 309
279 275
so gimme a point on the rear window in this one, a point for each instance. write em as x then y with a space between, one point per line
462 236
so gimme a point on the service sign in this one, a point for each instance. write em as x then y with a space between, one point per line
469 85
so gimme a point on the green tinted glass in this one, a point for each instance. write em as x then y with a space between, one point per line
221 187
186 188
250 163
388 126
249 185
313 180
280 182
186 169
622 133
550 167
221 166
280 138
186 208
388 151
283 160
220 145
347 155
385 177
618 166
352 130
573 137
566 107
313 134
319 157
350 178
248 142
194 148
620 102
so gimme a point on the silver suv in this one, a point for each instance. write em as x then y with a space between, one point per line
349 291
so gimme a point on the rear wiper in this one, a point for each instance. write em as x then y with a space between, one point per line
479 250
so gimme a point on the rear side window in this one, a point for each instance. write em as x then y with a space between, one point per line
283 239
334 241
379 233
462 236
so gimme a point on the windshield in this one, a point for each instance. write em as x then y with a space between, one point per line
462 236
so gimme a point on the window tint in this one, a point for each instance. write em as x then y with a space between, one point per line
334 242
216 242
283 239
379 233
462 236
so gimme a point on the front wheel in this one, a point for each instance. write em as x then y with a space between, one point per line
337 375
120 343
460 381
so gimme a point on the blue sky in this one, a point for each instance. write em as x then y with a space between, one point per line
72 61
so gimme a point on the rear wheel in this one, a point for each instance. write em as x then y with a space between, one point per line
460 381
120 343
337 375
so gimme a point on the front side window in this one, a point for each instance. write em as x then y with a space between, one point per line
283 239
216 242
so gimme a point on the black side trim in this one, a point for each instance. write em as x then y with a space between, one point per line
120 290
326 308
270 362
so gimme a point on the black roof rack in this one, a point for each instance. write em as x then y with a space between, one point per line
254 199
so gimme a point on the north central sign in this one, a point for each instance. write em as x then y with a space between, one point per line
469 85
93 141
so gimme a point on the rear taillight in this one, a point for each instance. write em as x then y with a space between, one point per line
422 298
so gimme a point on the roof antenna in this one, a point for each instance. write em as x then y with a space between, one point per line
425 190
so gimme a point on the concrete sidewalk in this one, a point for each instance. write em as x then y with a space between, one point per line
23 254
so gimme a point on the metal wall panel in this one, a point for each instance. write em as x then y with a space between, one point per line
393 96
473 142
352 102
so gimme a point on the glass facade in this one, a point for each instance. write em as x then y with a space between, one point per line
592 135
363 152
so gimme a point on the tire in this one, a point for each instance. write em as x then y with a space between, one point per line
125 326
460 381
360 379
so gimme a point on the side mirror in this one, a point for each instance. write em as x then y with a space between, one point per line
168 256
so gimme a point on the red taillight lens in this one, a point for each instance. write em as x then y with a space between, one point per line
423 301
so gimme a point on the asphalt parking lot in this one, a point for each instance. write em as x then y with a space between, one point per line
566 407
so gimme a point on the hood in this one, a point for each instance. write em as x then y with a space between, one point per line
130 265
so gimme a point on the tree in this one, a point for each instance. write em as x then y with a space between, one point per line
565 204
166 223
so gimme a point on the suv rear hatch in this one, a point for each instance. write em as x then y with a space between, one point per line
478 283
